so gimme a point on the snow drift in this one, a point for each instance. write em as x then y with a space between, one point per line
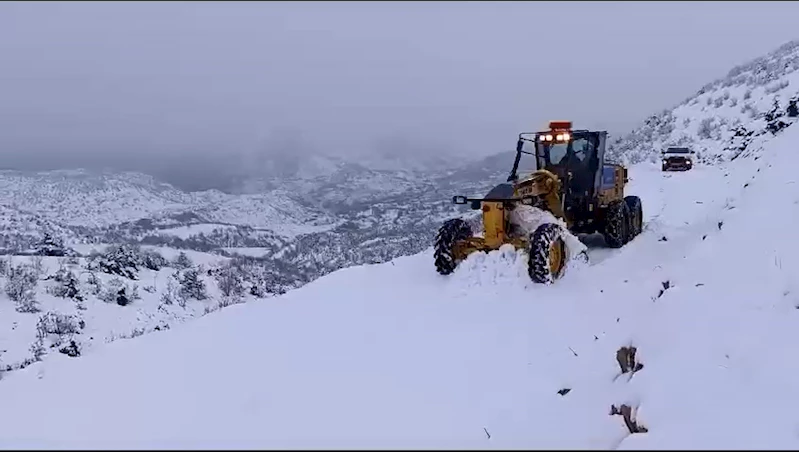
396 356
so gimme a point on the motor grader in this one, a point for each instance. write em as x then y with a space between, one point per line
569 189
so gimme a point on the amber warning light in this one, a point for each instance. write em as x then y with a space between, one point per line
560 125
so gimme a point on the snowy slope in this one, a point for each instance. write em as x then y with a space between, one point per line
394 355
707 121
94 304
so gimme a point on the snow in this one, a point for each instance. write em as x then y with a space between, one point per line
184 232
248 251
395 355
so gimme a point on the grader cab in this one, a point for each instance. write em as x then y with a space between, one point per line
565 188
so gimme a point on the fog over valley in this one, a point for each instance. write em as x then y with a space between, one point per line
198 93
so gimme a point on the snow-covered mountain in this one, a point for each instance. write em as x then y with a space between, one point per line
94 201
682 339
713 121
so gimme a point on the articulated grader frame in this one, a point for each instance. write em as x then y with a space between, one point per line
542 213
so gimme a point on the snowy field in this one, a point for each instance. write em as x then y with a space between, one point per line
396 356
184 232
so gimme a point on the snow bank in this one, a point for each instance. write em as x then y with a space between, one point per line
397 356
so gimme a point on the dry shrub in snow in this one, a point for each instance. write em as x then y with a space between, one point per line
67 285
241 276
37 263
59 324
230 279
21 287
172 295
5 266
706 128
57 329
95 285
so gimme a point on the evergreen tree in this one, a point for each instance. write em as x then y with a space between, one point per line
50 246
191 286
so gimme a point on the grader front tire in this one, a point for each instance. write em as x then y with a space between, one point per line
448 234
546 254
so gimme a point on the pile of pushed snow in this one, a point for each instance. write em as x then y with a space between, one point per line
395 355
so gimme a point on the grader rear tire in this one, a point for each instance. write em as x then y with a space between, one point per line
546 254
448 234
636 215
617 224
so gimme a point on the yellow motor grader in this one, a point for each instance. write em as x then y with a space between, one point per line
569 189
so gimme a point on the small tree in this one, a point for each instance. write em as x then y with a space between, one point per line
792 110
773 118
182 261
774 113
191 286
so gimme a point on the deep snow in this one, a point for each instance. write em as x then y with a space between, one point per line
103 321
397 356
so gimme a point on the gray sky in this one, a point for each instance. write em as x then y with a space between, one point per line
228 79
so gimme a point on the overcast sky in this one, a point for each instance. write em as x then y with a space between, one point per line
235 78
